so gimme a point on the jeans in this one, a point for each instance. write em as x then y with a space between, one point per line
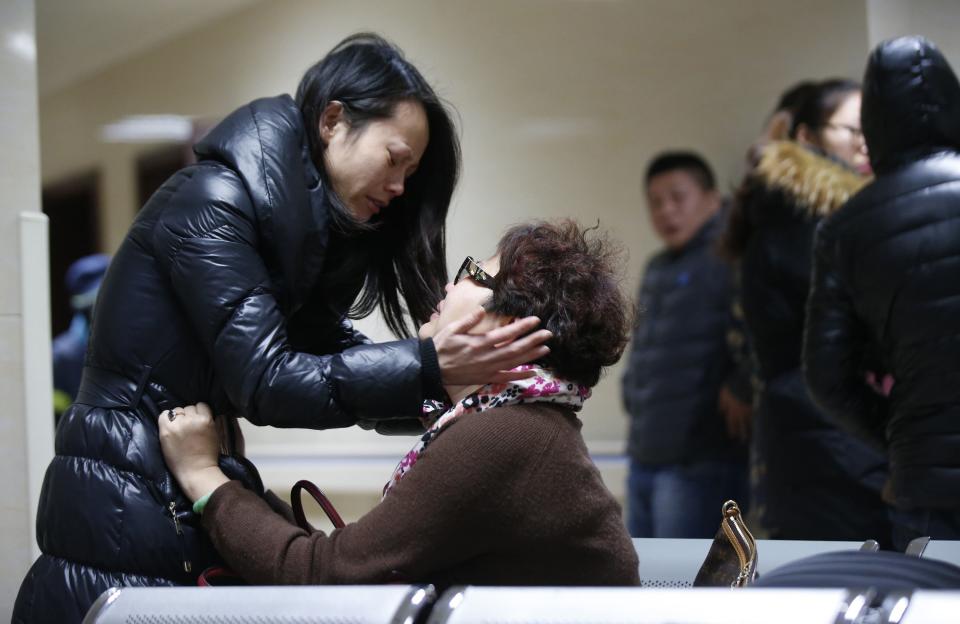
682 500
943 524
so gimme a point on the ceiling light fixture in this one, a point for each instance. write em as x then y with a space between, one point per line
148 129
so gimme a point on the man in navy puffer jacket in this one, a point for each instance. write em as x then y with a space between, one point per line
687 394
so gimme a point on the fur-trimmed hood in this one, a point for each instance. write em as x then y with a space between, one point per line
818 185
791 183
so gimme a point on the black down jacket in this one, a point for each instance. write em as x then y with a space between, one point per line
680 356
887 279
219 282
811 479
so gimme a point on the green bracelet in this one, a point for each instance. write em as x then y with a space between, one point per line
201 503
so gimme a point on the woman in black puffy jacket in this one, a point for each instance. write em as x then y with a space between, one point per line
234 286
887 282
811 480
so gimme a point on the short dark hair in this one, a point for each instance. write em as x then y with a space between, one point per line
819 104
570 279
404 247
691 162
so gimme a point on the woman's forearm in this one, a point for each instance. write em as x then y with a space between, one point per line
201 482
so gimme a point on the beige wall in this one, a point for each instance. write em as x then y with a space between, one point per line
562 103
936 20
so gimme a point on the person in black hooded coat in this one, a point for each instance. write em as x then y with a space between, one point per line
886 289
811 479
234 286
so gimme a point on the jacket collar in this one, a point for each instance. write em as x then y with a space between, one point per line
707 233
817 185
264 142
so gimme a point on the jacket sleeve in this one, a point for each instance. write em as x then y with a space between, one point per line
209 247
835 342
448 509
350 336
316 329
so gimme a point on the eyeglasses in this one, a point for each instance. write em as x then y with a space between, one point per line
472 269
854 131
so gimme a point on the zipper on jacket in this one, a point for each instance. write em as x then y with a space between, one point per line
187 565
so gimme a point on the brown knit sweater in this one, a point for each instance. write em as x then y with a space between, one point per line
503 497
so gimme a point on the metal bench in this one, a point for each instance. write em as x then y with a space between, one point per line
666 562
592 605
315 604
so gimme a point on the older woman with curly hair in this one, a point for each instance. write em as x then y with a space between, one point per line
500 489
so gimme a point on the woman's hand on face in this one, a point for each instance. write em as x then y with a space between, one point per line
191 448
475 359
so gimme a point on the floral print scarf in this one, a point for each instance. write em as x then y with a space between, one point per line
541 388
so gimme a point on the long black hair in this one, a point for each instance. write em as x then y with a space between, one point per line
403 248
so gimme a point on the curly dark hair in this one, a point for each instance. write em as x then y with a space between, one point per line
570 279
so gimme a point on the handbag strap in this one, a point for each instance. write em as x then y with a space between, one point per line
318 496
742 541
222 575
219 575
